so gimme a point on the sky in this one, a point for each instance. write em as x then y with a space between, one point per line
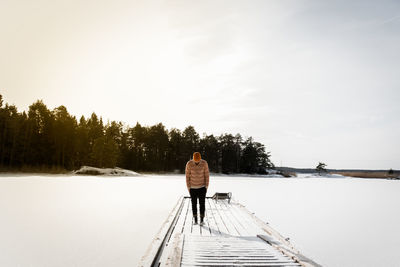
311 80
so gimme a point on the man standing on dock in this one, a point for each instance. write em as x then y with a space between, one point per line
197 179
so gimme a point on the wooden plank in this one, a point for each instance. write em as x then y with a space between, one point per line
227 221
188 220
252 228
231 251
239 261
240 264
172 255
196 227
173 248
240 226
226 249
229 257
205 229
218 219
182 217
211 219
232 218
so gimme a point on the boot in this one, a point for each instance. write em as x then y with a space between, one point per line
201 219
195 219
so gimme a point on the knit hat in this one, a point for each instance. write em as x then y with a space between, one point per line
196 156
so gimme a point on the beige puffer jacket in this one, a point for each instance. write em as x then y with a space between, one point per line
197 175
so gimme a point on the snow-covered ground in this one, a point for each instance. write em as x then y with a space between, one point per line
96 221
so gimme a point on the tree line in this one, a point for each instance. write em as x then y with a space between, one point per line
54 138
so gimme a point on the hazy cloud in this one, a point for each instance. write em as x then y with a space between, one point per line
313 80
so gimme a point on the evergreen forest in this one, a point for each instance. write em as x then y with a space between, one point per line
43 138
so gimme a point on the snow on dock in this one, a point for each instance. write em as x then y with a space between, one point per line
230 236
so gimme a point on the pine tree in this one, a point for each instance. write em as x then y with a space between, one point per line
321 168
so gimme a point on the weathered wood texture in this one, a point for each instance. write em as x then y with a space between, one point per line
231 251
230 236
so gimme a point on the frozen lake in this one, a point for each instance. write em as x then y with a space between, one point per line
108 221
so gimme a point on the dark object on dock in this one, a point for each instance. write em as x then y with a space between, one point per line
220 196
230 236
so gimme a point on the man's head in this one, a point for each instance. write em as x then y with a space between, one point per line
196 157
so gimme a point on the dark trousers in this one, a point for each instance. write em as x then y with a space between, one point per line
198 193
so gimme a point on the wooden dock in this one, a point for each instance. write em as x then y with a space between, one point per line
230 236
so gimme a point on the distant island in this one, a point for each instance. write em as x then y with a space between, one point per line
360 173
